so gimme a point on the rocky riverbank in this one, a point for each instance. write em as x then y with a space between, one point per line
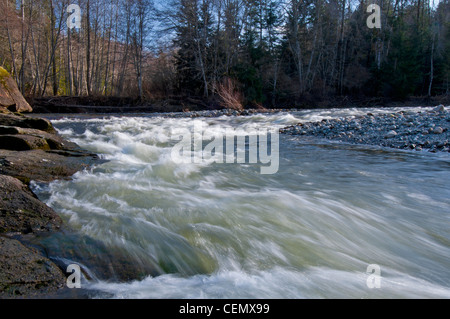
35 244
420 131
30 149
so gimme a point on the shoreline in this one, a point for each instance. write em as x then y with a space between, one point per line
31 149
419 131
102 104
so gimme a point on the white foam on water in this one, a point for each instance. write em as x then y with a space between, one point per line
307 232
277 283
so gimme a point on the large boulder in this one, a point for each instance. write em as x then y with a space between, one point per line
10 96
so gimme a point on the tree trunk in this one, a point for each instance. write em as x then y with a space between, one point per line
11 49
431 69
53 59
69 76
88 49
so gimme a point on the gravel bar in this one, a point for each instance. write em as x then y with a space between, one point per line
420 131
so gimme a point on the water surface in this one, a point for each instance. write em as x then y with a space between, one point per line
226 231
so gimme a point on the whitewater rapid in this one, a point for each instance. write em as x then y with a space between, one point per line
226 231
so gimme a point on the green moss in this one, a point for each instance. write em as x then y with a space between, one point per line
3 73
3 76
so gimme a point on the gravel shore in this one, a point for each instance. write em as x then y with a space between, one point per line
420 131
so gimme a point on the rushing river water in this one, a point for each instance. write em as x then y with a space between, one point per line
212 230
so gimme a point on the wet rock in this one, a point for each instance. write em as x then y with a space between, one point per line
438 130
25 272
7 130
20 210
105 262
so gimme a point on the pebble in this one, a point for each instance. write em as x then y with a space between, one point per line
440 108
391 134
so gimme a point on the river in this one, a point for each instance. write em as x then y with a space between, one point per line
222 230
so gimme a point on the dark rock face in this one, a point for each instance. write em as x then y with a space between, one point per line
21 212
26 273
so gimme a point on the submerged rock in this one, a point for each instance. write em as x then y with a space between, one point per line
98 260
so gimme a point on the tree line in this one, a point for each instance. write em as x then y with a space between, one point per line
259 53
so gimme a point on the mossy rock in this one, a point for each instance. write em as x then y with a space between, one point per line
3 75
10 96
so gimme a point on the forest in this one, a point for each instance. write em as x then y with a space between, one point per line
231 53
